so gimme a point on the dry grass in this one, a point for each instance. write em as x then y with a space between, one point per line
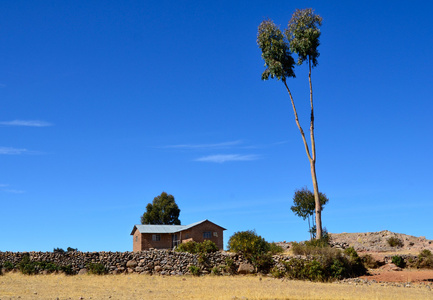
13 286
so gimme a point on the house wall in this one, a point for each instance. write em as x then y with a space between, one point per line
136 241
164 243
196 233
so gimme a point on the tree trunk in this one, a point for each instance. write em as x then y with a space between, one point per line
313 162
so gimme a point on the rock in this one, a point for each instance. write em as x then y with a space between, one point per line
82 271
157 268
131 264
245 268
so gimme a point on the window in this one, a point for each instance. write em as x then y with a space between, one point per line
136 238
187 236
156 237
207 234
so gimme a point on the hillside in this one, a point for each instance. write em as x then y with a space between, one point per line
378 242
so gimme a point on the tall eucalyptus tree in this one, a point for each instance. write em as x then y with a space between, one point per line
301 37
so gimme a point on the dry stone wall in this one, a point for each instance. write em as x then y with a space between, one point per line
163 262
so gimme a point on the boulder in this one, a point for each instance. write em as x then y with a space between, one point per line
82 271
131 264
245 268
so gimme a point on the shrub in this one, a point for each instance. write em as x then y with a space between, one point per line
395 242
326 264
70 249
277 272
425 259
216 270
369 261
398 261
58 250
8 266
193 247
425 253
314 271
194 270
275 249
253 247
26 266
67 270
96 268
230 266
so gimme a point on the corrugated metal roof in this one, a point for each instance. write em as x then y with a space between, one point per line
164 228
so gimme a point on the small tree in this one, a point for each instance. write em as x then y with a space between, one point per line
303 39
162 211
304 207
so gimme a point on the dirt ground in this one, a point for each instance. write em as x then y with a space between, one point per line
384 274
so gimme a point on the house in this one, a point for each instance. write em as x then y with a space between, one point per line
169 236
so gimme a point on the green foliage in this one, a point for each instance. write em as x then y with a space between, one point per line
163 210
26 266
304 204
96 268
277 272
70 249
425 259
254 248
67 270
217 270
398 261
303 35
8 266
230 266
279 62
193 247
194 270
395 242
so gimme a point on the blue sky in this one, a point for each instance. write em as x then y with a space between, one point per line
105 104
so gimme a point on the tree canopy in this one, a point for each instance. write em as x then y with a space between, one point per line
304 205
162 211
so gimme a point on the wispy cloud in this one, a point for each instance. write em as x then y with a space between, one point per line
3 188
28 123
206 146
12 151
222 158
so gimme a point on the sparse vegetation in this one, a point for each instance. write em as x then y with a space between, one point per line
425 260
194 270
96 269
324 263
395 242
369 261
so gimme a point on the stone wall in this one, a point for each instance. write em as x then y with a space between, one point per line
163 262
